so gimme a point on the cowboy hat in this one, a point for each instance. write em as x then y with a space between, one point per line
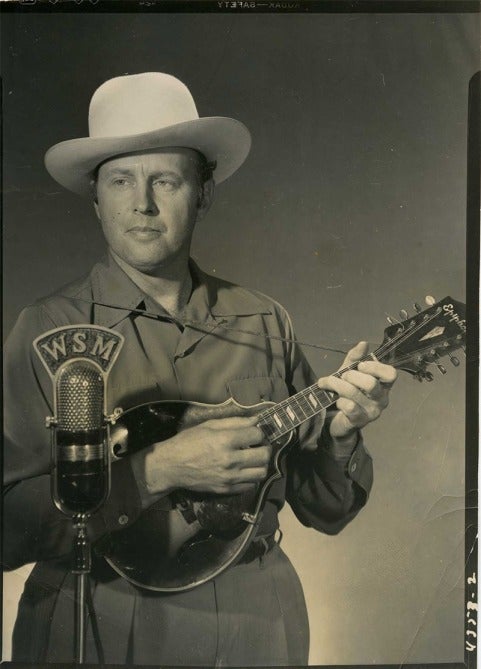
141 112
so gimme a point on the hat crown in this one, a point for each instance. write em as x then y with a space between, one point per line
139 103
144 112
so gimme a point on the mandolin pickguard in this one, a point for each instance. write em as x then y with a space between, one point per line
186 538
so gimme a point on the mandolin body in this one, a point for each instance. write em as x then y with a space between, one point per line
186 538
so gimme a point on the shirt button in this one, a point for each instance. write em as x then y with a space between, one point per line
353 467
123 519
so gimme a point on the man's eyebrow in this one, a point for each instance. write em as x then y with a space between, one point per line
118 170
126 171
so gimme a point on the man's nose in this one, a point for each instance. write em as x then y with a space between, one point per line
144 200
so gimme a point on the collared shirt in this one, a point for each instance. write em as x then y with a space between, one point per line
235 346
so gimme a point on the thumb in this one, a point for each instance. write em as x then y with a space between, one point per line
356 353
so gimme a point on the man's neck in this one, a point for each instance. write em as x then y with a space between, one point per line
172 292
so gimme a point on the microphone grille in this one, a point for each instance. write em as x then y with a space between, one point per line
80 397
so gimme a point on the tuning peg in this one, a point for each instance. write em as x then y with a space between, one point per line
424 375
454 360
429 299
404 314
435 357
417 307
391 320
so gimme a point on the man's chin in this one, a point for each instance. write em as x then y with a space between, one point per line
152 266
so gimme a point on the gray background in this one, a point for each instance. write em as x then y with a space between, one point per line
350 206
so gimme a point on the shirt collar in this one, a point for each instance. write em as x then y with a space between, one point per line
116 296
114 293
227 299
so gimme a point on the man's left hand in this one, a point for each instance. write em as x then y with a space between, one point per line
363 394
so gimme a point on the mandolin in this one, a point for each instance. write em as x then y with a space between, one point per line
188 538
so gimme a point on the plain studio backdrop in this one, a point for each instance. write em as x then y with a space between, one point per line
350 207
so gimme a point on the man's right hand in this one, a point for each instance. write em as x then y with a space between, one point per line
215 456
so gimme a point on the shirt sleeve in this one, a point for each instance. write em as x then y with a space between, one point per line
34 529
325 492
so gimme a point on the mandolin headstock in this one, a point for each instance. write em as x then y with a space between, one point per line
415 342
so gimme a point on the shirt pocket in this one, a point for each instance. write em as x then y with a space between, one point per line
258 389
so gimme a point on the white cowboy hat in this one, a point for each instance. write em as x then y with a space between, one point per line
146 111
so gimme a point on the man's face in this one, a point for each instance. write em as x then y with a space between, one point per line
148 204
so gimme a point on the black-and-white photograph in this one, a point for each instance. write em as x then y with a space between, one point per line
235 336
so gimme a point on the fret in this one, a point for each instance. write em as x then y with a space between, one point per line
267 427
282 412
312 399
273 432
291 414
290 410
325 397
306 407
279 422
271 428
295 400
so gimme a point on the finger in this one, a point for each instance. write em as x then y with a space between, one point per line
251 475
360 414
254 457
367 383
366 406
355 354
236 488
231 422
245 438
343 388
357 415
353 411
386 374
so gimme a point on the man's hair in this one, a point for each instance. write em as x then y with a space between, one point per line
204 169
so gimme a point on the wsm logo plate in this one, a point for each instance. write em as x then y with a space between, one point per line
91 342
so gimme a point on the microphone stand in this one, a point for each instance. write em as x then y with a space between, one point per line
82 562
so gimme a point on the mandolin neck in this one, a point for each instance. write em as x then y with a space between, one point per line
280 419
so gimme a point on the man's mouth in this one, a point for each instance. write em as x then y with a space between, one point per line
143 232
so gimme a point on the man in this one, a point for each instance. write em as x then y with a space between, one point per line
150 165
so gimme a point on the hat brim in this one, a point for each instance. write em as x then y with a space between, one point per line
218 138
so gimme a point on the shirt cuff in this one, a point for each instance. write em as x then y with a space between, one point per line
355 466
359 466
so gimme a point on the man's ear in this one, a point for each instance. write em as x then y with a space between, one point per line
205 199
93 190
97 212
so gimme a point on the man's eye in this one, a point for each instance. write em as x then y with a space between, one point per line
165 184
120 182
